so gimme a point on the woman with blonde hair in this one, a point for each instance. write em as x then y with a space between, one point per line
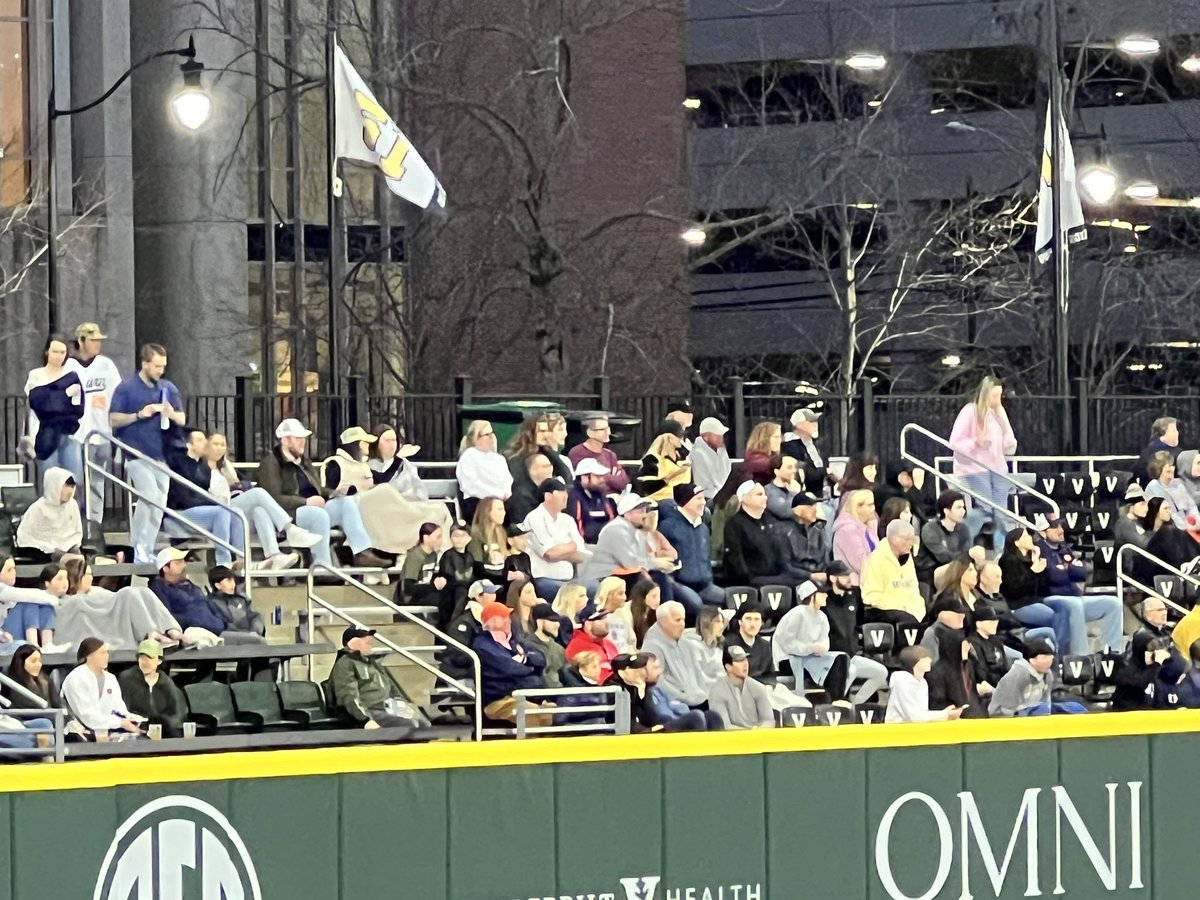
570 599
664 465
854 531
981 439
481 471
610 597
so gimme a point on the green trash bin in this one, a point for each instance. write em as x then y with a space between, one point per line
506 417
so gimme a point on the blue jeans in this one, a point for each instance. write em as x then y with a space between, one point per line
149 480
694 600
1046 709
65 456
26 617
93 503
547 588
1042 617
266 517
1102 608
994 488
14 740
342 512
220 522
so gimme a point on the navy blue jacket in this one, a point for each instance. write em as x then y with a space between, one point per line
188 605
591 511
692 543
1062 582
501 673
57 416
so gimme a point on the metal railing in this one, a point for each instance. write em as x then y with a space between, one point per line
959 485
1124 577
40 710
130 491
345 614
619 707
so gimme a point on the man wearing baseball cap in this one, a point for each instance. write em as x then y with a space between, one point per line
622 549
800 444
184 600
738 699
682 522
152 694
451 660
1063 582
364 689
544 638
1026 688
506 664
588 503
100 378
681 411
556 547
592 635
710 458
288 475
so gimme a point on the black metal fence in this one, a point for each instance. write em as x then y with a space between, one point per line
1044 425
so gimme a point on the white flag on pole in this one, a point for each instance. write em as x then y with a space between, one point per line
1072 209
366 132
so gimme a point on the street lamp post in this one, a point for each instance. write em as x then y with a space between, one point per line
191 107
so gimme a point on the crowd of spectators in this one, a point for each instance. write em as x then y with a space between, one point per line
560 569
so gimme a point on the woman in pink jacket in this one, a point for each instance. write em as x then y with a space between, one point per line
982 437
854 531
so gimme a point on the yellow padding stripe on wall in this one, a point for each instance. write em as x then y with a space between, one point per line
542 751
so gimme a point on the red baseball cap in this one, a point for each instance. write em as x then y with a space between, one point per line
493 611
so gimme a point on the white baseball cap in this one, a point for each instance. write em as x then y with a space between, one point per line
291 428
745 488
630 501
805 590
166 555
712 425
589 465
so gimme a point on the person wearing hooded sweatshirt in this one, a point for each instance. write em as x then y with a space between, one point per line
989 659
1149 676
1187 473
52 524
908 691
1026 689
951 679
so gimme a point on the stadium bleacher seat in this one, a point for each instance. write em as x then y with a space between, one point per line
260 699
778 599
211 707
796 717
833 714
878 639
736 596
305 701
869 713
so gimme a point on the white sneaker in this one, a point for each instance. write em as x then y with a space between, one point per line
370 580
278 562
300 537
57 648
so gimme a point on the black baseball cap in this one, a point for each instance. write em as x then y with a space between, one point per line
948 604
985 613
804 498
836 567
630 660
351 633
1038 647
516 529
682 494
670 426
679 406
542 611
552 485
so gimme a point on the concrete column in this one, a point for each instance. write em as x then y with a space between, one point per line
191 198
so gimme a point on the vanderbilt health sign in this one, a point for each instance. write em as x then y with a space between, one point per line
1101 817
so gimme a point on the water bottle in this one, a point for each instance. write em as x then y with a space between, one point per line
164 421
277 616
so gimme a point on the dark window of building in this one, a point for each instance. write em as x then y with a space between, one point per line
980 78
777 93
1108 77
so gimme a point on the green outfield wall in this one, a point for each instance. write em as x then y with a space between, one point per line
1085 807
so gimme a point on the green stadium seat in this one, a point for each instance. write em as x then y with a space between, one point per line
304 701
260 699
211 708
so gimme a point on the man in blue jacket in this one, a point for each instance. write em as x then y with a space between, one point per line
1064 579
681 521
184 600
505 664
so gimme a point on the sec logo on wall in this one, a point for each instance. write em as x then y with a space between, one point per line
181 848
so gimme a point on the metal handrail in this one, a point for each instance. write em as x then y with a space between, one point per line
17 688
58 731
473 692
619 708
956 481
1123 576
169 513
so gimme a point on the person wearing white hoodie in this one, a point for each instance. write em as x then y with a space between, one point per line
908 692
802 638
52 524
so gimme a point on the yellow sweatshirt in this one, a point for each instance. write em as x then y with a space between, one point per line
886 584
